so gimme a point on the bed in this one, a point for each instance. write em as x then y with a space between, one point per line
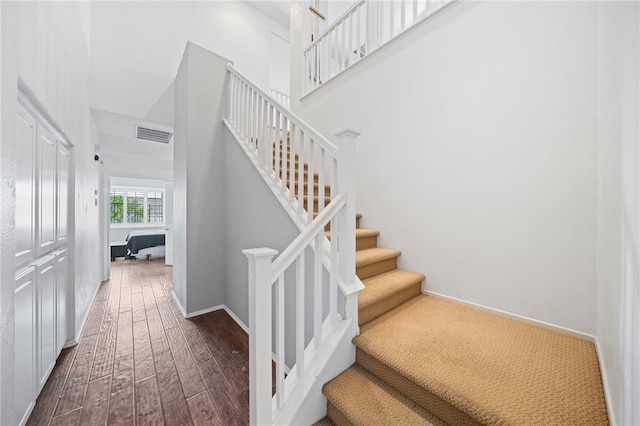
140 244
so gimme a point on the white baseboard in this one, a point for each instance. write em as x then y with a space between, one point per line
605 385
204 311
563 330
175 298
80 328
236 319
212 309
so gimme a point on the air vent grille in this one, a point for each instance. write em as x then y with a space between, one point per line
154 135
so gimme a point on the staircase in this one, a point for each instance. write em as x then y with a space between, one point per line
418 359
423 360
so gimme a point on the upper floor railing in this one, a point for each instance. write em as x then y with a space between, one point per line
362 29
314 181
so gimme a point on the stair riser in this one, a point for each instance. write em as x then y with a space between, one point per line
305 202
328 227
363 243
372 312
377 268
421 396
305 178
336 415
288 163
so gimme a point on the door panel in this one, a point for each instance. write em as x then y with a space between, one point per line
25 186
47 189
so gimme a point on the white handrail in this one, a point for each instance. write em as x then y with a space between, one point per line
362 29
304 239
315 182
335 23
281 97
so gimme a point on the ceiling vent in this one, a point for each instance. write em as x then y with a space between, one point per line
154 135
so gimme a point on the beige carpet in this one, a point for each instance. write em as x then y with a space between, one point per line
493 369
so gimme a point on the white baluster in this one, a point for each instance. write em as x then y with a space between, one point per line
402 15
373 26
300 314
301 160
321 172
317 291
293 151
260 271
280 362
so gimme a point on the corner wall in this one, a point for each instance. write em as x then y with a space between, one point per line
199 194
619 207
45 44
478 153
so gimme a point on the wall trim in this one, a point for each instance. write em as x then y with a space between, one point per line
203 311
80 328
175 298
605 384
557 328
236 319
30 102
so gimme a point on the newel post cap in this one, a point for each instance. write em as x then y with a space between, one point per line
347 133
257 253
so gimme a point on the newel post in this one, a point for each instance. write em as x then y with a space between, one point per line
260 271
346 141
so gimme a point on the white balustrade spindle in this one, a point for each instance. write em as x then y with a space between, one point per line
363 28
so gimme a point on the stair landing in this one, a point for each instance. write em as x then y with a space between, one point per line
467 366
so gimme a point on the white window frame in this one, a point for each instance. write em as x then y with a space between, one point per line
144 223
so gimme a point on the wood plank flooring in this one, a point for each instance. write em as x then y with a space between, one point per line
140 362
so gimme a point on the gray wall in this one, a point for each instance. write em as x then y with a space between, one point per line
255 218
199 193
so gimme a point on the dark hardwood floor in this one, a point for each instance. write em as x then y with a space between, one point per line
140 362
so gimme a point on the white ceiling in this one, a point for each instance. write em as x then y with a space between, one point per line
278 10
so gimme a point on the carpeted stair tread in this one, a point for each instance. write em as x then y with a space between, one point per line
369 256
470 366
360 233
374 261
386 291
363 399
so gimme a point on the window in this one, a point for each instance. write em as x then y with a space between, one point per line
137 206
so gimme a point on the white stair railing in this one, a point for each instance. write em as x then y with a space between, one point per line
363 28
281 97
295 163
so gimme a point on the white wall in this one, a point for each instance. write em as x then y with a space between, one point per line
478 154
137 47
121 154
619 207
45 45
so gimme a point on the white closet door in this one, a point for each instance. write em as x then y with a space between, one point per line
47 188
25 186
62 282
46 297
25 343
62 184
